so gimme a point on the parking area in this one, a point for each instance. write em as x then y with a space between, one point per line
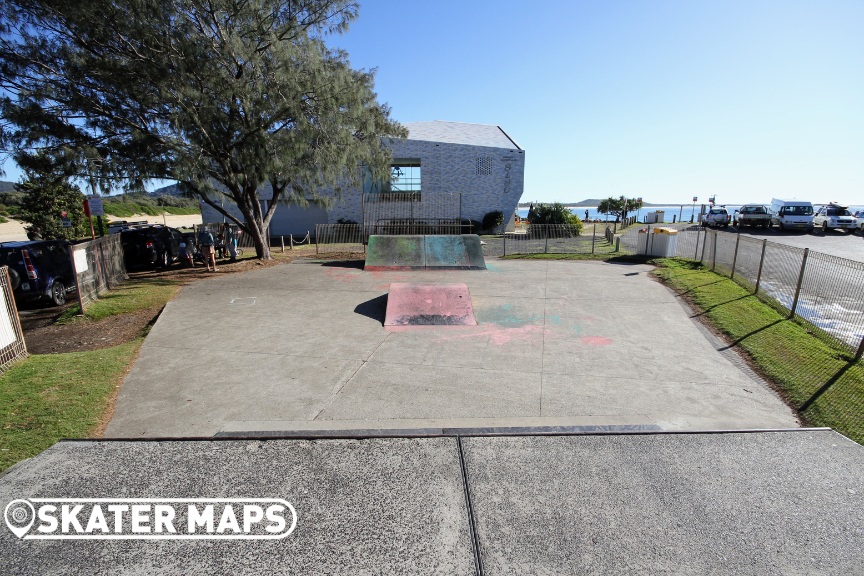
834 242
303 347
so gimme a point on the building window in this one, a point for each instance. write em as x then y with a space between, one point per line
405 176
484 165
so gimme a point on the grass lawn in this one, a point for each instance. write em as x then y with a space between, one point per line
816 373
129 297
47 397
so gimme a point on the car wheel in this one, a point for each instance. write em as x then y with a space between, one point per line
58 293
781 226
14 278
824 227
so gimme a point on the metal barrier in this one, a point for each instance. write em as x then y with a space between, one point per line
330 238
393 209
99 266
560 239
12 345
824 290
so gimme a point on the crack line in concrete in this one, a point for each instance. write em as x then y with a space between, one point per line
362 363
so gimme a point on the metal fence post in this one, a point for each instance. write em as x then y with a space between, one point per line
593 238
696 254
735 257
546 237
704 244
761 261
800 280
714 253
860 351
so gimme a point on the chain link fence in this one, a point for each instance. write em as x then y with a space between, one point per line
12 345
332 238
561 239
99 266
825 294
824 290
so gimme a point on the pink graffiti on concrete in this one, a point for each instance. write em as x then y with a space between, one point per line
595 340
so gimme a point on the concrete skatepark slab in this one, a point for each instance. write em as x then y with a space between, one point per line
766 503
303 346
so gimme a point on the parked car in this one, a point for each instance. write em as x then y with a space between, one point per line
753 215
39 270
717 216
834 217
150 245
791 214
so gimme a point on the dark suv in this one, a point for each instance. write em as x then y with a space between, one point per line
39 270
145 246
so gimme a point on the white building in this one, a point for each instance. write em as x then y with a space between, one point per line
479 161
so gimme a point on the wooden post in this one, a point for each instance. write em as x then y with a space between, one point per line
282 242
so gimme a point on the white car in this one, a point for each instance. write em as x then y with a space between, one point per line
717 216
833 216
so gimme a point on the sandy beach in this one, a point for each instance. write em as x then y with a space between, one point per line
13 230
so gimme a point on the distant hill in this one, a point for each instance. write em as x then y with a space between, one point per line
171 190
590 202
6 186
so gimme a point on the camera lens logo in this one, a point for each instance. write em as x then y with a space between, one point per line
19 515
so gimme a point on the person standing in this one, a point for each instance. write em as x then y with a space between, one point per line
206 245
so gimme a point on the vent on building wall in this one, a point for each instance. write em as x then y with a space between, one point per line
484 165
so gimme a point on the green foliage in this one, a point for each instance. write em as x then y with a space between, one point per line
126 205
10 202
46 197
619 207
234 95
555 213
492 220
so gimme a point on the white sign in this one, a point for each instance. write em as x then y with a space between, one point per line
79 257
7 332
96 206
67 223
150 518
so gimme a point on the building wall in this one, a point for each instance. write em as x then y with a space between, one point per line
488 178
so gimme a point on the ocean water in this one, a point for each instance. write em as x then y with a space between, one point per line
680 212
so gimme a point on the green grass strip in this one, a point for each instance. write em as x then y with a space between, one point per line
128 297
47 397
815 372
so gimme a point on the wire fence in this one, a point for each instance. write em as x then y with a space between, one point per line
332 238
824 290
413 213
561 239
99 267
12 346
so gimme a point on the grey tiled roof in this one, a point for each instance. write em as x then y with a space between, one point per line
460 133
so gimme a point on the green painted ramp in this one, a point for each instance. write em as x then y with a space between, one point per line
435 252
395 253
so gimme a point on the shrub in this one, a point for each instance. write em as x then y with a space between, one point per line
492 220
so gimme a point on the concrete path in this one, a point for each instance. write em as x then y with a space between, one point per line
769 503
303 347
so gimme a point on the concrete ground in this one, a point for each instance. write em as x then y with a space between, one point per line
767 504
303 347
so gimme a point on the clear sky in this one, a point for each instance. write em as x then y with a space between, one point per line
663 99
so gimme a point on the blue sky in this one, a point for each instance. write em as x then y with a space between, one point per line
665 100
